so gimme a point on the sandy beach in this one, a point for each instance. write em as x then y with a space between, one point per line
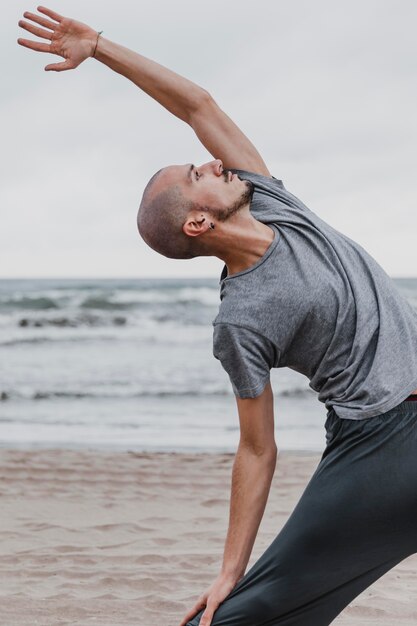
92 537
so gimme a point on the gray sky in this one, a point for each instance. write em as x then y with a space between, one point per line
326 90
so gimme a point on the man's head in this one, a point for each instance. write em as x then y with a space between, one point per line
180 201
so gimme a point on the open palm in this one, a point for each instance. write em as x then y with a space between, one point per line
72 40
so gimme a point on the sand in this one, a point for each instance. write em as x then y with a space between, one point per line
89 537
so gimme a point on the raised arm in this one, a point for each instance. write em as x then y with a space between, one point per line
76 42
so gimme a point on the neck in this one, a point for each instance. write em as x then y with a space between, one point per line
244 244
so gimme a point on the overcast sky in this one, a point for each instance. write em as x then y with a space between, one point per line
326 90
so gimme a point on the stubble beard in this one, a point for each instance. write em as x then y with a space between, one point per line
245 198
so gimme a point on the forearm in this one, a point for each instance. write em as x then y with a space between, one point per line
179 95
251 481
75 42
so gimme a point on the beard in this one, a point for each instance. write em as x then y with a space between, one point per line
224 214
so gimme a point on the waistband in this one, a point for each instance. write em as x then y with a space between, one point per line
404 407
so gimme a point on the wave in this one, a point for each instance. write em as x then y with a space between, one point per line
112 300
71 322
76 319
106 304
297 392
37 303
65 339
84 395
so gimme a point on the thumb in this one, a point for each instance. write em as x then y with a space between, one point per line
60 67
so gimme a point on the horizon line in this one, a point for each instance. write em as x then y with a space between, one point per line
402 276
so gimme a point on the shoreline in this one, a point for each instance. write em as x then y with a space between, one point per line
133 537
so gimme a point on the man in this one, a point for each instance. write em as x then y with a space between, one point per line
294 293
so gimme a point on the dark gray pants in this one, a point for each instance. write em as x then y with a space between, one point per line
356 519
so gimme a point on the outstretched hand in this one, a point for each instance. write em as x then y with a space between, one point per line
72 40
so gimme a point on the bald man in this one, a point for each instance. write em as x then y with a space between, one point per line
294 293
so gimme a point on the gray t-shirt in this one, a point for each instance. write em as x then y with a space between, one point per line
318 303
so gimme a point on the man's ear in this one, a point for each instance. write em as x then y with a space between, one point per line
195 224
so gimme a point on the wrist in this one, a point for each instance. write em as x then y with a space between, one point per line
231 574
95 43
87 44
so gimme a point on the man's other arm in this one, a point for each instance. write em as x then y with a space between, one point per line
75 42
252 474
253 469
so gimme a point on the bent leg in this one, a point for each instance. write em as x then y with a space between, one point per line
354 522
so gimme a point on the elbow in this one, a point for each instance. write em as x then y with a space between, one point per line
204 99
271 454
272 458
199 105
262 451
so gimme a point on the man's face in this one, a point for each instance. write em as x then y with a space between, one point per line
210 186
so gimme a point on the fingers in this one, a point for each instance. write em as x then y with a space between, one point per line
207 616
34 45
51 14
40 20
60 67
35 30
196 608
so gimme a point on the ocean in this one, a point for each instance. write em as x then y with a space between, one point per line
128 365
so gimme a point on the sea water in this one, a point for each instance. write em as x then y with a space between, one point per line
128 365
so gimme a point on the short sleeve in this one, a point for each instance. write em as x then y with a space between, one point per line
246 356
